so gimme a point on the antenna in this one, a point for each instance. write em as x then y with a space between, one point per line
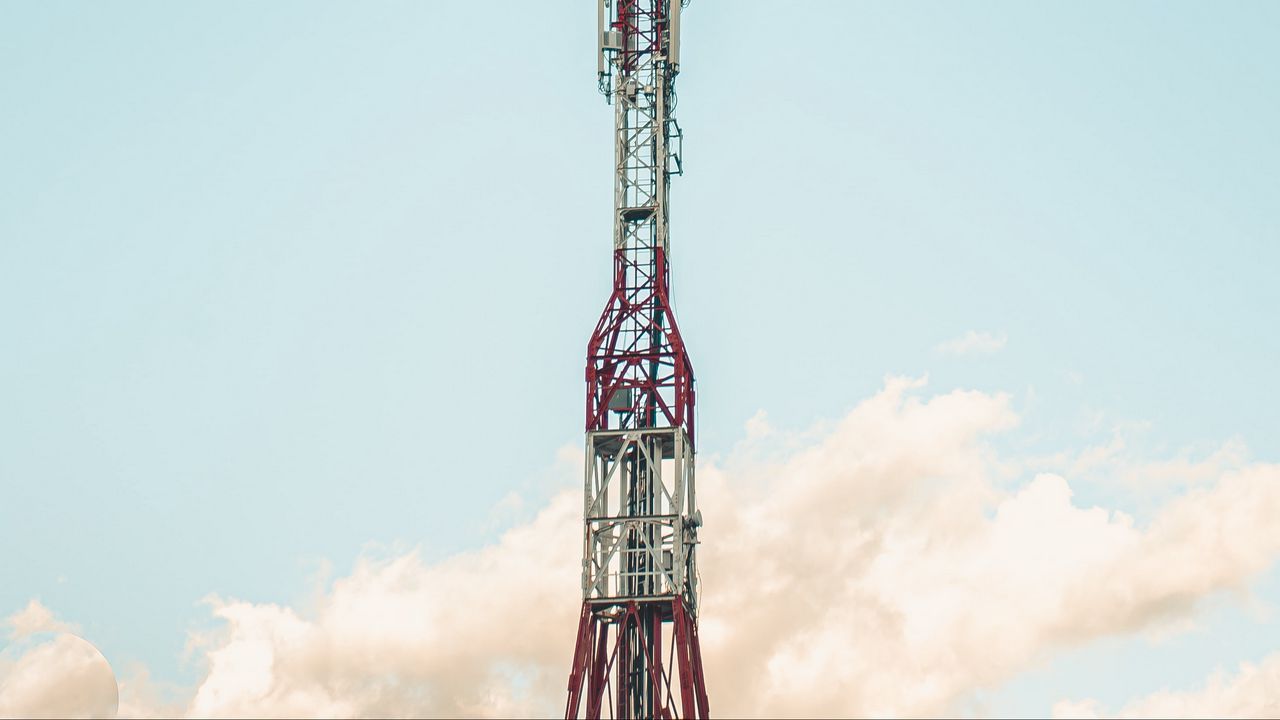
673 35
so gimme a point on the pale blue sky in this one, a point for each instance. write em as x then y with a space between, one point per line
278 280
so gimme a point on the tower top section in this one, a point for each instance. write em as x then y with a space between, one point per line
635 34
638 371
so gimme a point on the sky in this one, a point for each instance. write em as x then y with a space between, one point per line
294 298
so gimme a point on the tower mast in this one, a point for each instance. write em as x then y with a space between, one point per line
637 653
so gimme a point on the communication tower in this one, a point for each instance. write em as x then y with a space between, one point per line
637 653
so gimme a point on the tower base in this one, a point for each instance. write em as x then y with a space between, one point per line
619 669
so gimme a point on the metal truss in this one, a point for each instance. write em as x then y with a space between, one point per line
640 516
640 530
637 365
604 684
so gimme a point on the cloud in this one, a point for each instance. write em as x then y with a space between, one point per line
35 618
1252 692
482 633
52 673
143 697
889 575
890 563
973 343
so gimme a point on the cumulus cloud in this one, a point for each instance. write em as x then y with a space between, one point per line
891 563
890 575
35 618
1253 691
48 672
482 633
973 343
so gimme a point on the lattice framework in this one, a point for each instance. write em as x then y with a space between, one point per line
640 516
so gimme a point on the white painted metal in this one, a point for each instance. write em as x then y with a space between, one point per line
643 97
639 508
673 36
601 14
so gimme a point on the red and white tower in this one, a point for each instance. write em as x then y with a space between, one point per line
637 653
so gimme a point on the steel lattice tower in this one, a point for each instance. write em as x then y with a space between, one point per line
637 653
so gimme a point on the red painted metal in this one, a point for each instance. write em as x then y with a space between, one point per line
684 652
697 680
580 659
636 352
605 640
599 671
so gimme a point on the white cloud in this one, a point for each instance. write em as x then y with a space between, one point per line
878 566
35 618
52 673
973 343
482 633
889 575
1253 691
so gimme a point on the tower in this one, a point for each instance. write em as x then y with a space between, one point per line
637 653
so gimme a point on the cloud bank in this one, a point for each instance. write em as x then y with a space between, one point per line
892 575
891 563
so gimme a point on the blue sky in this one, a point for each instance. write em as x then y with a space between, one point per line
281 282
